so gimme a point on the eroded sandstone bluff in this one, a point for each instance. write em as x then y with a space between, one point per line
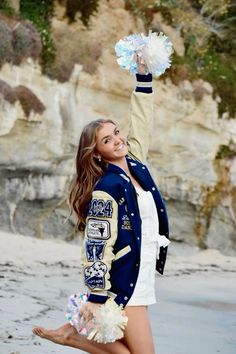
38 140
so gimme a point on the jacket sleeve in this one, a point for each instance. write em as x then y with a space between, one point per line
99 239
141 118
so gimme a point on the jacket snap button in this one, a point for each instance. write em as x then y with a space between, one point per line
131 285
162 210
143 168
138 238
153 188
125 298
137 265
132 214
125 190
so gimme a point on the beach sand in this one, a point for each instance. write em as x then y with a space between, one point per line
195 312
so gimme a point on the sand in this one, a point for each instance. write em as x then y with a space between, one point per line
195 312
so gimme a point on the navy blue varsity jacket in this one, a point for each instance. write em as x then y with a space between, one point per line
112 240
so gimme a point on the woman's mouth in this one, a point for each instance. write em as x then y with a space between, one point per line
121 146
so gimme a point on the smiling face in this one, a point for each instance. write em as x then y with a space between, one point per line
111 145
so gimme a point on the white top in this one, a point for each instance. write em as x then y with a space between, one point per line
144 292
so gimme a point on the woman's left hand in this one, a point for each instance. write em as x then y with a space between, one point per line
88 310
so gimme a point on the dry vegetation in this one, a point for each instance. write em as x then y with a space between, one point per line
28 100
86 52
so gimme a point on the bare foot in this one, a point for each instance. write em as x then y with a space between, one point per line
58 336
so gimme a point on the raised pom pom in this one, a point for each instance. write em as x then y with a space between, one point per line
153 50
157 52
127 50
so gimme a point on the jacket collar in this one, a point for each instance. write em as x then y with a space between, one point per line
118 170
137 170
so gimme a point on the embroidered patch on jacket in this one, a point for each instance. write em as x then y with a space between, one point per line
94 275
99 229
126 224
95 250
100 208
121 201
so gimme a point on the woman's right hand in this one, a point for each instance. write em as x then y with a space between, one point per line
142 67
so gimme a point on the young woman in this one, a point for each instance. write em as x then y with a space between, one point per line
125 223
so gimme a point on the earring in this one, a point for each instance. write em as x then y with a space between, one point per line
99 159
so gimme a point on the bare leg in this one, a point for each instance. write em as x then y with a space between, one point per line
137 337
138 334
97 348
68 336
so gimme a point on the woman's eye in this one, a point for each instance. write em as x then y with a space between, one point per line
117 131
106 141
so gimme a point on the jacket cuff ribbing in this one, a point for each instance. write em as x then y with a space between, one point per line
96 297
144 83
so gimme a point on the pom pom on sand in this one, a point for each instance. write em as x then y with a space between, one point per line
107 324
153 50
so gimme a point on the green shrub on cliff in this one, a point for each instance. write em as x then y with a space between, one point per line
6 9
208 28
21 44
40 12
6 48
226 152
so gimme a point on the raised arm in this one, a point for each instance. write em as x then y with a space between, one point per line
141 118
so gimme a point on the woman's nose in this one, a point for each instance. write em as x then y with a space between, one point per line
117 140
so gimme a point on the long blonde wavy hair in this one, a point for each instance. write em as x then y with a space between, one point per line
88 171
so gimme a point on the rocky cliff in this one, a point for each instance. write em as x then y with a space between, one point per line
41 119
